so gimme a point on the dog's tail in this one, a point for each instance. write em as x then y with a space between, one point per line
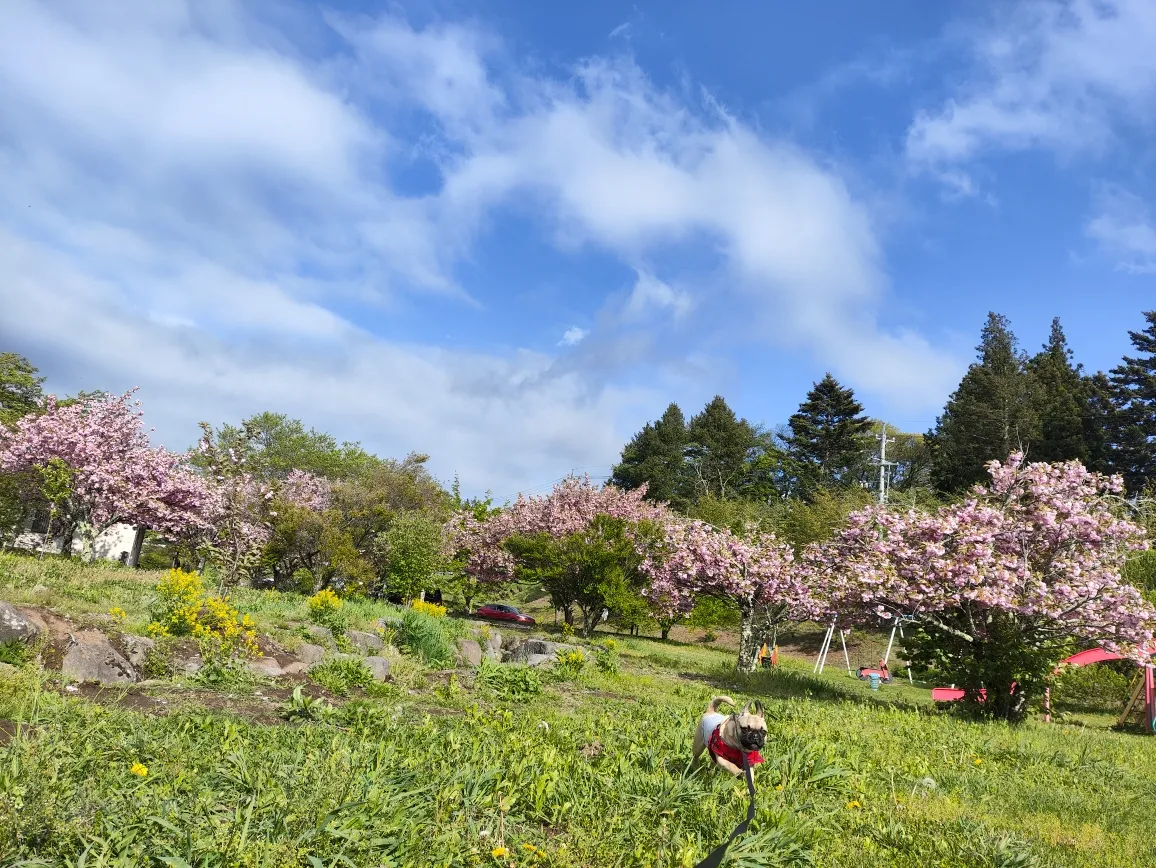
717 701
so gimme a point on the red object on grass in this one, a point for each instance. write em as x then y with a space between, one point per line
498 612
718 747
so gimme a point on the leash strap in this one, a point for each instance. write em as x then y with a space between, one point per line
715 857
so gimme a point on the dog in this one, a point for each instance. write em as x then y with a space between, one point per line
727 737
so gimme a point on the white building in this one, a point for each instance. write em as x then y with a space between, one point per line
121 542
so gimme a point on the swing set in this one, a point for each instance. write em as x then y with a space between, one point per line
865 673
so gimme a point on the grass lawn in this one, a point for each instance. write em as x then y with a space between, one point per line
505 767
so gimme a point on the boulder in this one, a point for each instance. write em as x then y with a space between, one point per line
379 666
366 642
322 634
91 657
540 660
295 668
15 627
494 654
537 647
470 652
494 643
137 649
266 666
186 663
310 654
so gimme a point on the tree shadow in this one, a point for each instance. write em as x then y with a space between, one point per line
787 684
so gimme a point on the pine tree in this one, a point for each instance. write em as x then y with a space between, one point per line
656 455
1132 433
825 445
720 449
990 414
1061 396
1099 421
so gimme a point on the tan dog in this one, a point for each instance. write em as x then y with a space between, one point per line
727 737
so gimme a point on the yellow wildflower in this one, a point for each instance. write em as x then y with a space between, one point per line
118 613
139 770
779 787
854 803
978 761
499 852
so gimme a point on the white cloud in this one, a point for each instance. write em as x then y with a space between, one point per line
196 204
1055 75
572 336
1124 230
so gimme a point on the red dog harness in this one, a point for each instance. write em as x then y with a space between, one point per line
719 748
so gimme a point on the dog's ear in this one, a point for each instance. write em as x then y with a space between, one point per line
745 709
759 708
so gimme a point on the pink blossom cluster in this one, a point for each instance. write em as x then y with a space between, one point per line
569 508
753 571
1041 541
307 490
117 476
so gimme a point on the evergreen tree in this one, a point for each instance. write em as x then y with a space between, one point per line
720 450
990 414
1099 422
1132 432
826 443
656 455
1061 396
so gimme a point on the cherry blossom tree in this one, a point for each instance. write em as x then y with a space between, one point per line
567 540
754 572
95 457
1002 585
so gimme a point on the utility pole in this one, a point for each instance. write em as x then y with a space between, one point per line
883 462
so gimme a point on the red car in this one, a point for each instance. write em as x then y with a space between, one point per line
496 612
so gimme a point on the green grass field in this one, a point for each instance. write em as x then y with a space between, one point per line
590 769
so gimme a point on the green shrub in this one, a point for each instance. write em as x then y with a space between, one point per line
327 610
426 637
508 682
570 663
606 658
340 674
15 653
1103 687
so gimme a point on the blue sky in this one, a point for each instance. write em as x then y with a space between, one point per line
507 233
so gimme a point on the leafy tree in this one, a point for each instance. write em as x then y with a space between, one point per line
719 450
1034 567
656 457
826 440
273 445
1132 432
410 552
1061 398
20 392
988 417
585 570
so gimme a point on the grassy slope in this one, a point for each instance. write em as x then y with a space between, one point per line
591 772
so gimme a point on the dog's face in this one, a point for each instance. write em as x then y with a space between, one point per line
751 728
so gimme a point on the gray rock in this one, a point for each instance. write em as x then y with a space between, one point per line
266 666
189 664
321 634
15 627
138 648
40 589
297 668
379 666
367 642
470 652
494 654
540 660
91 657
537 647
7 669
494 643
310 654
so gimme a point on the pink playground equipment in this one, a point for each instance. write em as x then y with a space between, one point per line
1145 686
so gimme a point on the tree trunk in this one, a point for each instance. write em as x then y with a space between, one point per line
137 544
664 629
748 646
67 534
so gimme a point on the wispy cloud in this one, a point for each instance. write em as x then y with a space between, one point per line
1045 74
572 336
1124 230
200 200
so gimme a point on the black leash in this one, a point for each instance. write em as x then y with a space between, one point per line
715 857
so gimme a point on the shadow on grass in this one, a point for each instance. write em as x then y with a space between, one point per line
788 684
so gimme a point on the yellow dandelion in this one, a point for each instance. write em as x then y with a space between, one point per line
978 761
118 613
139 770
779 787
529 847
854 803
499 852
